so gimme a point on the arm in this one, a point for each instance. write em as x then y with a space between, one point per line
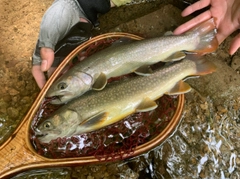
56 24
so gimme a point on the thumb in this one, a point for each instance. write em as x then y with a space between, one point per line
235 44
47 55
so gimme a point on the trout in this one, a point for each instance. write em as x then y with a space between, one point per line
93 72
95 110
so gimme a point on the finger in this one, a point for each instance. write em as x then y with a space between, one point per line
221 36
47 55
193 22
39 76
196 6
235 44
225 29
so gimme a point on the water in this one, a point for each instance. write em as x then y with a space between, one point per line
206 144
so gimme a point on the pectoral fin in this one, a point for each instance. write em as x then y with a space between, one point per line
175 57
100 82
146 105
144 71
180 88
95 120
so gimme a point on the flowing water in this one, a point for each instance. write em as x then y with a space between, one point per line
206 143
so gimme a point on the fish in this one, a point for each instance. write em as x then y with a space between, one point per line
95 110
93 72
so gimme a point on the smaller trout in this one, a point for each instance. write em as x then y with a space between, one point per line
95 110
94 71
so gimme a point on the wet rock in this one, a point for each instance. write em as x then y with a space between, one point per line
235 64
3 105
13 92
221 109
25 100
3 110
12 112
15 100
6 98
218 85
204 106
223 54
152 28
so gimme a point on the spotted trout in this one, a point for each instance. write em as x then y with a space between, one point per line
95 110
93 72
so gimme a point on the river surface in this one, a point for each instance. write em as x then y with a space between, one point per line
206 143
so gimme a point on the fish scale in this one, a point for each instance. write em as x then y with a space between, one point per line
95 110
123 59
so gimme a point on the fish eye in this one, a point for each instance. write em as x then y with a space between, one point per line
62 86
47 125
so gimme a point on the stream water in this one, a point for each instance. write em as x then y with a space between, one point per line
206 143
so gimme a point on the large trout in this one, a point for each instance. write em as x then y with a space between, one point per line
93 72
95 110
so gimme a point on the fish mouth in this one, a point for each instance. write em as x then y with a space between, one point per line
55 99
40 134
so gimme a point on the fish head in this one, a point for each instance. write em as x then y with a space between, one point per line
59 125
68 87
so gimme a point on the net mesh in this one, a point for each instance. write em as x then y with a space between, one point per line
116 141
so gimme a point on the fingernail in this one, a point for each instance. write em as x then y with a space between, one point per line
44 65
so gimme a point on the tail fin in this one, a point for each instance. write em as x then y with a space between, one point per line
203 66
207 32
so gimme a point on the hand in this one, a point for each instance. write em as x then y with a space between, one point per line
47 56
39 76
226 14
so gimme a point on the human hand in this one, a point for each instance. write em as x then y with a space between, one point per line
47 56
226 14
38 76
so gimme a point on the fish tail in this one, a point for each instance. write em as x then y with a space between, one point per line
203 66
207 31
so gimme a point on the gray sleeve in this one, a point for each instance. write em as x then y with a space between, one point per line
36 59
56 23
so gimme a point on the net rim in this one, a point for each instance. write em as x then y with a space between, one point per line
43 162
